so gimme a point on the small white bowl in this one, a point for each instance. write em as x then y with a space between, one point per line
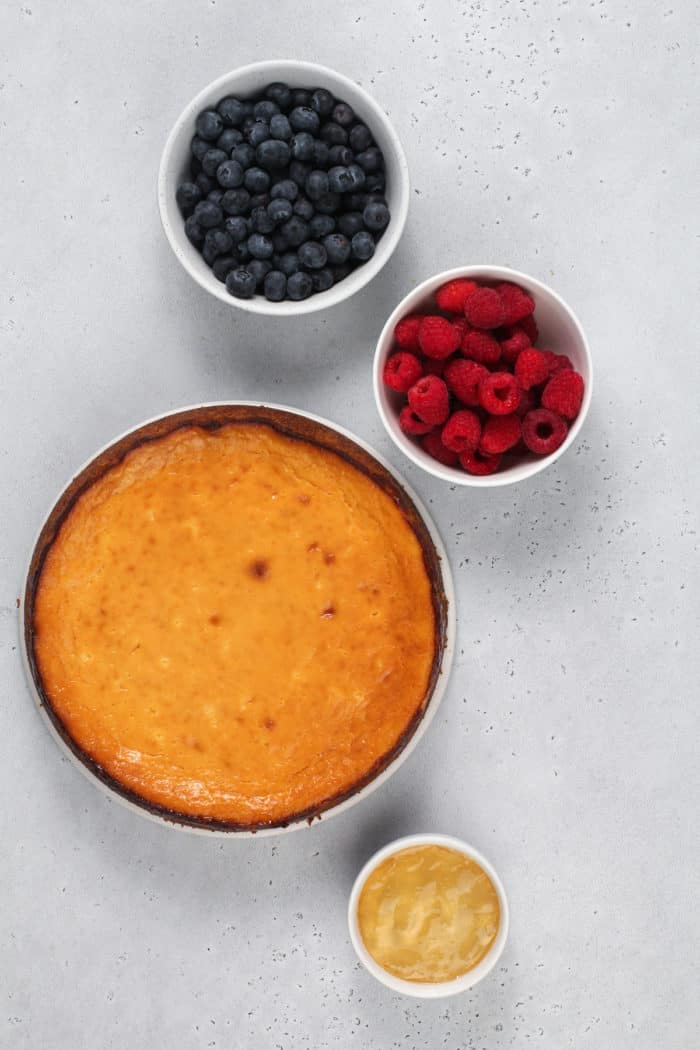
560 331
242 83
419 989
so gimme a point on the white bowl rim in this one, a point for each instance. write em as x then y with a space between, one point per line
489 272
280 69
431 708
440 989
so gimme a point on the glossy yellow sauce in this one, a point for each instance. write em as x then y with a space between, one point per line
428 913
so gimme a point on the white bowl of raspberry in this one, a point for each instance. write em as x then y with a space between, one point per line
288 169
483 376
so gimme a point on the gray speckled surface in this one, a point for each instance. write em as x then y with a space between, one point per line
556 137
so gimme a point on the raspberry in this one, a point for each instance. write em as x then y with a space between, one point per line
479 463
463 378
499 393
531 368
401 371
432 443
462 431
411 424
564 394
481 347
557 362
515 340
484 308
499 434
452 296
462 325
437 337
406 332
430 400
529 327
543 431
517 304
527 402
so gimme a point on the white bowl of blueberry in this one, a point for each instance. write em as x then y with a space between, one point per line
283 188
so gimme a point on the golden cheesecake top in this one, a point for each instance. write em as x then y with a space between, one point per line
236 625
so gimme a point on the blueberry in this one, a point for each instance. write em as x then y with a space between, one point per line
362 246
340 180
370 160
229 139
265 110
260 200
298 172
289 263
350 223
241 283
375 183
322 102
242 252
279 93
304 208
243 154
194 232
301 97
359 138
279 210
247 125
262 221
312 255
258 268
248 108
299 286
376 216
329 203
205 184
280 128
343 114
215 196
256 180
321 225
187 195
333 134
198 147
340 272
211 160
236 202
236 227
208 214
316 185
209 125
337 247
302 146
259 246
229 174
273 154
356 201
286 189
322 280
303 118
275 287
279 243
231 111
340 155
216 242
223 266
296 231
321 157
258 132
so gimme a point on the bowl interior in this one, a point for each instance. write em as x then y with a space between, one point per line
559 330
245 82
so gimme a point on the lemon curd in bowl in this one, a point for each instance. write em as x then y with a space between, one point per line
236 620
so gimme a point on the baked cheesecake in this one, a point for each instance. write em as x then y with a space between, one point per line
237 625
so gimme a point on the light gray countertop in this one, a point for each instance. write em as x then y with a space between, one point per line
556 137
